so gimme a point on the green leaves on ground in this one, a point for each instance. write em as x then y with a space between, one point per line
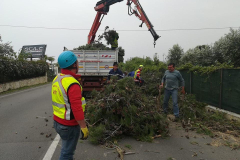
124 108
196 117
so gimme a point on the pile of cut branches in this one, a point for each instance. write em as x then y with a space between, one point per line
196 117
124 108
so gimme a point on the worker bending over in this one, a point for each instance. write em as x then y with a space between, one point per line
68 104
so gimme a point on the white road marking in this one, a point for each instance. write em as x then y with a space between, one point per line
52 148
21 91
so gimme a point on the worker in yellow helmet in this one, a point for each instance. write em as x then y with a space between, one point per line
137 75
68 105
114 44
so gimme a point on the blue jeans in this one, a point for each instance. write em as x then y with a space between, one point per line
174 94
69 136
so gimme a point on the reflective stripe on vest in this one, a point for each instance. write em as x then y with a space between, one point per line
58 105
61 110
83 104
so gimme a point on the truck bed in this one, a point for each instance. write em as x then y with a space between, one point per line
96 62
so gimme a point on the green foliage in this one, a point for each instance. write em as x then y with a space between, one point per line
225 50
24 56
175 54
96 134
121 54
205 70
14 70
152 73
50 75
148 63
125 108
6 51
194 113
203 130
109 36
200 55
93 46
51 59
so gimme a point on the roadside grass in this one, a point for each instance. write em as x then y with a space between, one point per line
22 88
234 146
194 116
201 129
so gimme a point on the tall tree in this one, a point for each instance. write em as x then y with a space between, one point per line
201 55
175 54
6 50
51 59
189 57
227 48
156 59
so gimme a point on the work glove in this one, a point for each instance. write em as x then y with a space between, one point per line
84 133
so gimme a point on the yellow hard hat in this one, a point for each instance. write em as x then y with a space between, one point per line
140 66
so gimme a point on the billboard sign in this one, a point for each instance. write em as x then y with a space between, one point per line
37 51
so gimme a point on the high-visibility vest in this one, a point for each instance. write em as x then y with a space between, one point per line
135 75
115 43
60 103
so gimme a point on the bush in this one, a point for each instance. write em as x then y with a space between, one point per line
50 75
14 70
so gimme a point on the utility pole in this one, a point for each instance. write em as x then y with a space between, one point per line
163 57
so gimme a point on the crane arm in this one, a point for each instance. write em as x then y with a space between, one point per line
95 26
140 13
102 8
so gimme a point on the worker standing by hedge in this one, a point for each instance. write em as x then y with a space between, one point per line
67 103
171 78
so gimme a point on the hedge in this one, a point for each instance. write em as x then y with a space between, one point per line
14 70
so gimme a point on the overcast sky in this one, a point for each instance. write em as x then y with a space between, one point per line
80 14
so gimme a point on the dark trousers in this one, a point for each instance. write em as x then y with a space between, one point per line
69 136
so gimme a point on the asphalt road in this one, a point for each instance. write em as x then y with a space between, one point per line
22 134
26 120
177 147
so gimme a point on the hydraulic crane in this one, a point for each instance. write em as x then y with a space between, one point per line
102 8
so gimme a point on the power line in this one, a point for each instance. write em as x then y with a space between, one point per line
41 27
127 30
